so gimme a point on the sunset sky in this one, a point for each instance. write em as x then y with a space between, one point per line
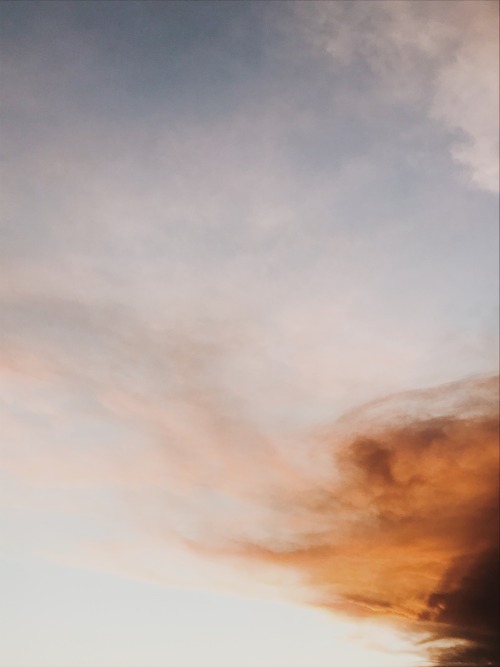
248 333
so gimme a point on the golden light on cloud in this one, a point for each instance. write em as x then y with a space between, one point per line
407 528
386 515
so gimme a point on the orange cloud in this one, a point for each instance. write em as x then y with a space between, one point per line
391 511
408 525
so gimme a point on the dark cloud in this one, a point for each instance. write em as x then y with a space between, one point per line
470 611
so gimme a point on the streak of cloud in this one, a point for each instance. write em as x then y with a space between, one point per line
390 512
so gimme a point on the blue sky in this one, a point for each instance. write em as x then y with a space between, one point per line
225 225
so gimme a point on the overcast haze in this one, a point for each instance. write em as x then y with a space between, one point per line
248 333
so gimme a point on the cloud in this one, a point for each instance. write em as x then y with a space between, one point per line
388 512
469 610
440 57
199 291
405 523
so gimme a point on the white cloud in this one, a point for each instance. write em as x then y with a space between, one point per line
440 56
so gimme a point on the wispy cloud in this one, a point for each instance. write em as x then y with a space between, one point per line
441 57
389 511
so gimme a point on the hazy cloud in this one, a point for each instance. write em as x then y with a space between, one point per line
439 56
235 252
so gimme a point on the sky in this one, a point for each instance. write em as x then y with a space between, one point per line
248 333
